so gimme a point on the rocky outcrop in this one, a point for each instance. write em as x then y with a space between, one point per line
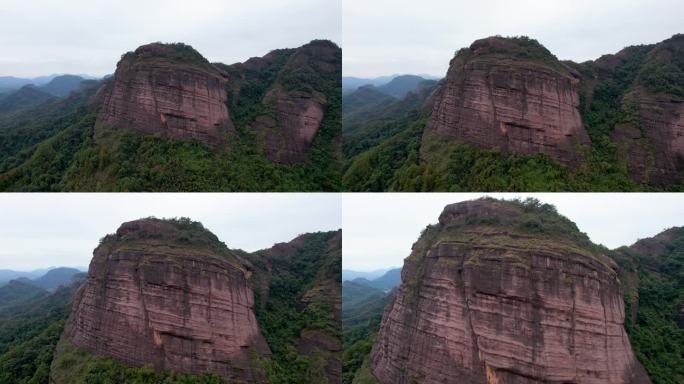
653 143
171 91
305 88
504 292
168 90
169 294
509 94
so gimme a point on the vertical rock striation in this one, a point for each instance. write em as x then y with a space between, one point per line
512 95
168 293
168 90
502 292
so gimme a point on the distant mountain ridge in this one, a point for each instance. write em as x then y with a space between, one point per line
350 274
9 84
62 85
46 279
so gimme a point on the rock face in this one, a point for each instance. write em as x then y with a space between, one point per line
654 147
168 294
502 292
512 95
299 98
169 91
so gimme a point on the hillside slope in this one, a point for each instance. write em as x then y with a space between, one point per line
169 120
511 116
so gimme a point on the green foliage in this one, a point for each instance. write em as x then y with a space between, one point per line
525 48
656 334
169 54
245 104
29 362
73 365
29 331
282 316
375 169
55 150
49 160
361 316
387 151
395 165
664 71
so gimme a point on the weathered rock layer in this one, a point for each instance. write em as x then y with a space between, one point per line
158 92
299 99
485 300
492 98
153 296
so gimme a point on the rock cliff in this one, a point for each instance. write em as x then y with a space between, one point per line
169 294
305 89
510 94
168 90
652 143
505 292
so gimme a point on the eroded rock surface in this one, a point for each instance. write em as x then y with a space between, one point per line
160 294
495 98
168 91
486 300
299 99
643 83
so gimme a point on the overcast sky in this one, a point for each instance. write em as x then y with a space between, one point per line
42 37
43 230
379 229
411 36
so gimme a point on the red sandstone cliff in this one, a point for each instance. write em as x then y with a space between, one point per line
653 146
171 91
171 295
168 91
299 100
502 293
508 94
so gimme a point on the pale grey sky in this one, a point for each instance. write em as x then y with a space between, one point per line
379 229
42 37
408 36
43 230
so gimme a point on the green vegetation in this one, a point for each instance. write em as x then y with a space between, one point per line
57 148
385 148
181 231
656 332
29 331
177 54
664 71
362 309
298 298
75 366
71 161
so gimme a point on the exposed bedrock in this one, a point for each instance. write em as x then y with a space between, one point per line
151 300
494 99
492 303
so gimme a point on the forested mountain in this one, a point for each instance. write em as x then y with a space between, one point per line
484 254
170 120
510 116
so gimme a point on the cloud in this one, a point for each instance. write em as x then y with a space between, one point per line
41 230
379 229
41 37
422 36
